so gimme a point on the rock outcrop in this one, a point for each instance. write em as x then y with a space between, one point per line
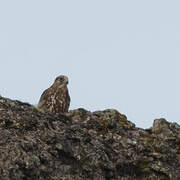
83 145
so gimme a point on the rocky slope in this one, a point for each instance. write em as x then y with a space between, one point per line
82 145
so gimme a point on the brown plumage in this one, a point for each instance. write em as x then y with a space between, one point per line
56 99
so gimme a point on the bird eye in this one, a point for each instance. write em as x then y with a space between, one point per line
61 79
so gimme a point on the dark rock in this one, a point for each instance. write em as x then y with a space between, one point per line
80 145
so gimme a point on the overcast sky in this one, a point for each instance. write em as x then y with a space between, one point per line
117 54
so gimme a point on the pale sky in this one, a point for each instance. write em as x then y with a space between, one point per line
120 54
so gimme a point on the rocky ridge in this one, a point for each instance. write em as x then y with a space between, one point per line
101 145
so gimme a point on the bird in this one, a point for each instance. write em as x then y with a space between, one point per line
56 98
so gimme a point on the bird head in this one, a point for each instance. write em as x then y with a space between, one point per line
61 80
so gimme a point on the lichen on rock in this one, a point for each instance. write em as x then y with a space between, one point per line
84 145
